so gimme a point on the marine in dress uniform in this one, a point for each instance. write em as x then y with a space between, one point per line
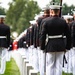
68 66
23 47
28 37
55 27
4 43
72 27
35 52
24 42
31 42
28 42
20 42
41 55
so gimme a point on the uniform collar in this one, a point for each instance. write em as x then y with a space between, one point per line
55 16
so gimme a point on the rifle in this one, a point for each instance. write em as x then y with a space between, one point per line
64 59
60 8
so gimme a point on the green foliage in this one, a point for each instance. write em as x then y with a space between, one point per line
30 9
14 13
20 13
2 11
67 9
58 1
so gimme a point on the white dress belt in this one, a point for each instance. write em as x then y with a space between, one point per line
56 36
2 37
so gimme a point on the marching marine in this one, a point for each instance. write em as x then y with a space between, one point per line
4 43
55 27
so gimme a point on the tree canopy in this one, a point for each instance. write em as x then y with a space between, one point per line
20 13
2 11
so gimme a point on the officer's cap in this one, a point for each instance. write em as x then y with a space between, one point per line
67 17
41 13
2 16
37 16
55 5
32 22
45 8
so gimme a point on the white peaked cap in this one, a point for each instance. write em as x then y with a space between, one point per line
39 15
67 17
46 8
55 6
36 17
32 22
2 16
25 31
20 36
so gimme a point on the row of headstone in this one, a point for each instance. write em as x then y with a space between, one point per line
23 64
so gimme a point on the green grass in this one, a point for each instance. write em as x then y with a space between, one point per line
11 68
67 73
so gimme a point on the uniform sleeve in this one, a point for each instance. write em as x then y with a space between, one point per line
68 36
31 36
40 27
27 37
73 33
8 37
37 36
34 38
40 30
43 36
